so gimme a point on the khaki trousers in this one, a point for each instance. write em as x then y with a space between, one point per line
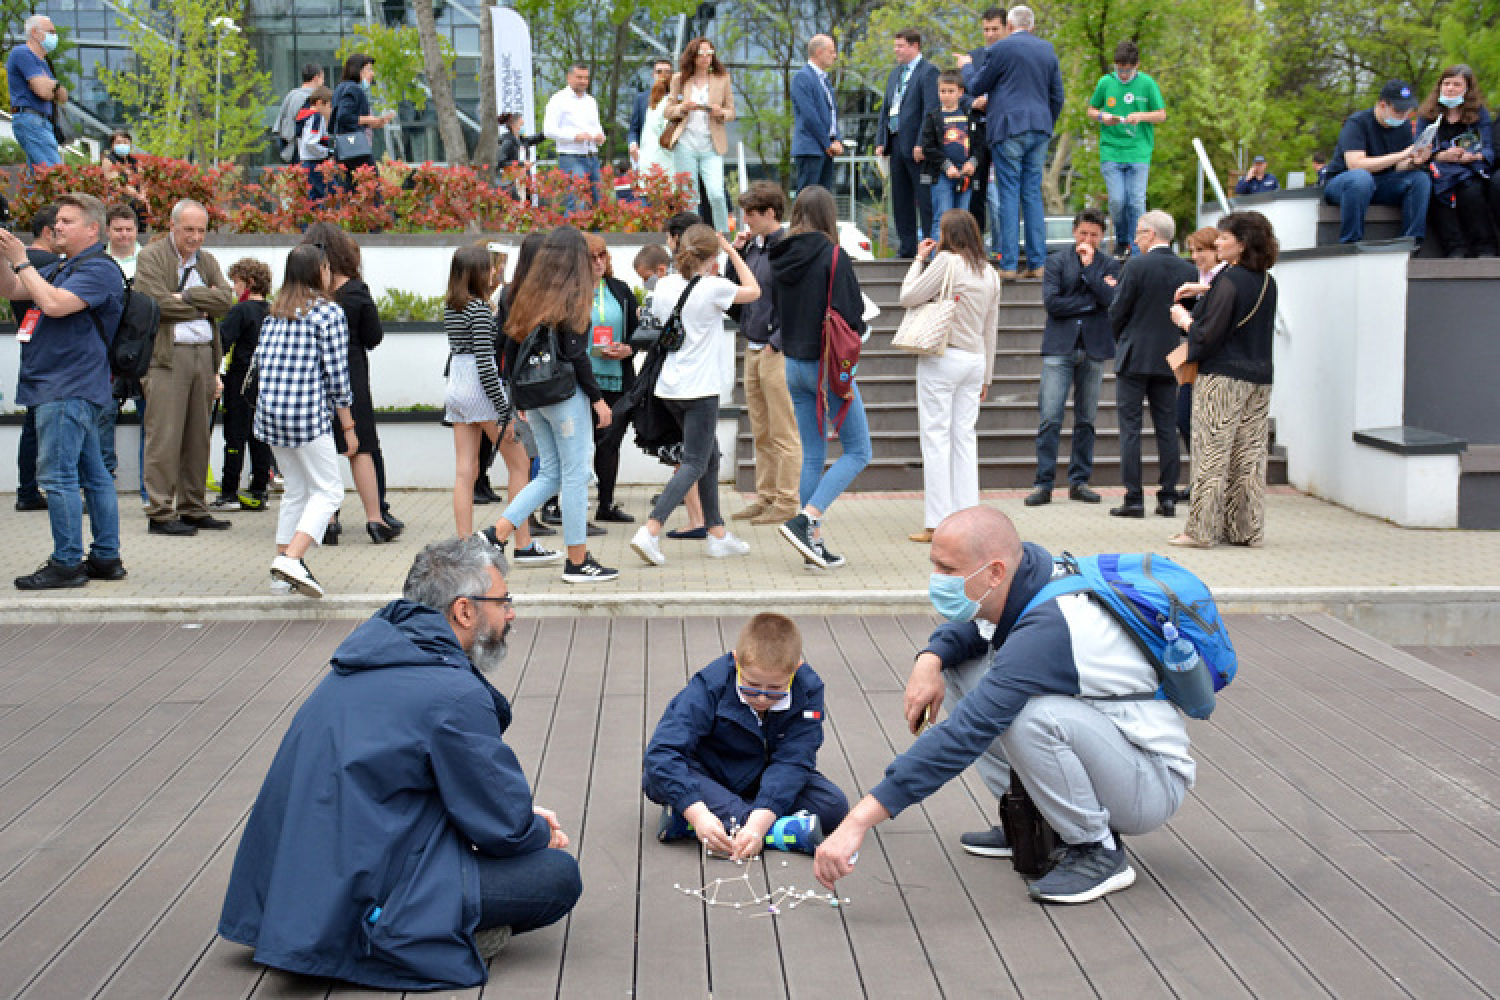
179 402
778 448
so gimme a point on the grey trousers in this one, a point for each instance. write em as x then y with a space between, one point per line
1085 777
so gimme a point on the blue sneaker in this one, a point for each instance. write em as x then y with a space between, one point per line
800 831
671 826
1084 873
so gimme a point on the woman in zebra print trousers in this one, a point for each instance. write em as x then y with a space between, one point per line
1230 335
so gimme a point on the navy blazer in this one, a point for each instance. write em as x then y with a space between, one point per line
1141 313
812 115
1022 77
921 97
1077 300
637 118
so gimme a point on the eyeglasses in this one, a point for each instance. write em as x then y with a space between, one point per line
601 255
506 602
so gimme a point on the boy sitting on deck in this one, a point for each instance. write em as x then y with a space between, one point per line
733 759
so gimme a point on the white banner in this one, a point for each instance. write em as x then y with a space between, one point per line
514 85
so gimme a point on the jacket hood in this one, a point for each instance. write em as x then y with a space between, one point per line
401 634
794 254
1034 573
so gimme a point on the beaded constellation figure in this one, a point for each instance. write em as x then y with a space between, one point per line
780 896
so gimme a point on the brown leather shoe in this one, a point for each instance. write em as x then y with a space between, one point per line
776 515
756 509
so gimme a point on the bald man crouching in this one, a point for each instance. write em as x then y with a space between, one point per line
1055 694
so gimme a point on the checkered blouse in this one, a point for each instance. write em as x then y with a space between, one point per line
304 374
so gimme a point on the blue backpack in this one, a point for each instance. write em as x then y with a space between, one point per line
1143 592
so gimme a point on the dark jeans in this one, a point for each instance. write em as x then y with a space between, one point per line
528 891
699 420
1460 220
1160 392
911 201
819 796
815 169
979 187
26 487
607 451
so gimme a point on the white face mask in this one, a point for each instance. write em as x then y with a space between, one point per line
122 149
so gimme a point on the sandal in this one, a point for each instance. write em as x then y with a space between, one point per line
1187 541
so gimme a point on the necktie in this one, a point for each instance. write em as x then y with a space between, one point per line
895 112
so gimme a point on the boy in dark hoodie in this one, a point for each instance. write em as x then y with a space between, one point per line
947 148
733 760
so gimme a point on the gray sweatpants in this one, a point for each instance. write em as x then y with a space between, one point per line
1084 775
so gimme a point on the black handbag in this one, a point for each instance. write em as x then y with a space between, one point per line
542 376
1031 838
353 146
673 335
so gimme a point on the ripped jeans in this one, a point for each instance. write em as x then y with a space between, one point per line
564 435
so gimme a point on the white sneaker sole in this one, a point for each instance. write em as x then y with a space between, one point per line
307 588
551 559
986 852
1120 880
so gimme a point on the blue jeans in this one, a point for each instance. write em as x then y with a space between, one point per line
1084 374
992 199
578 165
707 166
67 433
37 140
819 489
1353 191
1019 161
527 891
945 196
564 434
1126 183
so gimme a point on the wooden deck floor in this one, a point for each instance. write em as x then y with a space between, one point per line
1343 840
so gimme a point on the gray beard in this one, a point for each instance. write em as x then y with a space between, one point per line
489 649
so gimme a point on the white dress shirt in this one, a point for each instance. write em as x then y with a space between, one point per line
569 114
193 331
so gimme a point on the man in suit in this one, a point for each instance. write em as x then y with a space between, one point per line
1141 317
1022 80
183 380
815 134
661 70
910 93
1077 288
993 24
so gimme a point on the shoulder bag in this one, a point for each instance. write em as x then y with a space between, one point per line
350 145
673 335
1187 371
925 328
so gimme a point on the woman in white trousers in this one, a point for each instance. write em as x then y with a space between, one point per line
952 384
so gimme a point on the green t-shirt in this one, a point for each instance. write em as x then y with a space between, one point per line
1126 143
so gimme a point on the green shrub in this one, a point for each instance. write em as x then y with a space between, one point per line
399 306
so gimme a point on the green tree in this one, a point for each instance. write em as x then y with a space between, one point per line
398 62
439 73
194 89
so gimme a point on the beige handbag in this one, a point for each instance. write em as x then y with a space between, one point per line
925 328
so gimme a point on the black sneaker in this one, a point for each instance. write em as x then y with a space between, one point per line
613 515
53 575
588 571
989 844
104 569
37 502
798 531
831 559
225 503
672 826
1082 493
551 513
1039 496
493 539
172 527
208 523
1084 873
535 555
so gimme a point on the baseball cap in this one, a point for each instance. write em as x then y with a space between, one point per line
1399 95
1257 159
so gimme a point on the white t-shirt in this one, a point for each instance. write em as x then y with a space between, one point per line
697 370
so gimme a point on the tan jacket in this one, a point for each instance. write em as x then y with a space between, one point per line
720 95
976 317
156 276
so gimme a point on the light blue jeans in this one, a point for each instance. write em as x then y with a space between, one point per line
817 488
1019 162
1126 184
708 165
36 138
944 197
564 434
68 459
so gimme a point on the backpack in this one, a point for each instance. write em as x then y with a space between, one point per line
1143 592
129 350
541 376
673 334
840 357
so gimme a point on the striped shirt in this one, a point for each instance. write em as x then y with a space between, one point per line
304 374
473 332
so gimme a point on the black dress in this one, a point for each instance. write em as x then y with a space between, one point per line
365 334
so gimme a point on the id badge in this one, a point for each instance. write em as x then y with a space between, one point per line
604 335
28 325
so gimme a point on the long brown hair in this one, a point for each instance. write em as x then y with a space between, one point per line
1468 111
815 211
338 246
959 234
558 290
597 246
469 277
302 284
688 64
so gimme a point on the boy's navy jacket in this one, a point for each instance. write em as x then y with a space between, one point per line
1069 646
707 728
393 772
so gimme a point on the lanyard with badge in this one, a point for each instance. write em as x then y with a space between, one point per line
34 315
604 333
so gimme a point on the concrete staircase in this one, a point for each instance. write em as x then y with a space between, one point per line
1007 421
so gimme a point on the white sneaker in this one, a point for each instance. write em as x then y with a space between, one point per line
296 573
726 547
648 547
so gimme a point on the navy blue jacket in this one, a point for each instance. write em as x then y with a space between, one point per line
921 97
707 728
358 860
812 114
1021 75
1077 300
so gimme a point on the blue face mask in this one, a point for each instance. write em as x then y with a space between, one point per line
1451 102
122 149
1393 122
49 42
949 598
367 84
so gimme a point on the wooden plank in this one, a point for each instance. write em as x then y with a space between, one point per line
1478 665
